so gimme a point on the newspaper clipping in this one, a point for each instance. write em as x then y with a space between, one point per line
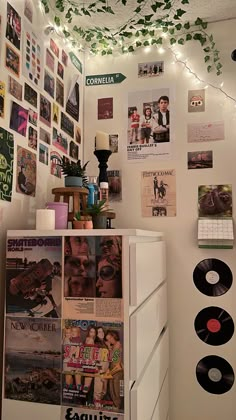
158 193
93 277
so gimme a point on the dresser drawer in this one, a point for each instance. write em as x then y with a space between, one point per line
146 325
162 406
145 391
147 269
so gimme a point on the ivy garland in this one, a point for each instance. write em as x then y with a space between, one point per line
151 22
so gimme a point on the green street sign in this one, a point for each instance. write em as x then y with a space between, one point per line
104 79
76 61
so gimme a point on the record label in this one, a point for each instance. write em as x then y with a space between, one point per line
214 326
212 277
215 374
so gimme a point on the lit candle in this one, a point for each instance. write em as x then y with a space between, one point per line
102 141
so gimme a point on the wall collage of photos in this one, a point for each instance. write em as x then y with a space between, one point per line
63 342
44 116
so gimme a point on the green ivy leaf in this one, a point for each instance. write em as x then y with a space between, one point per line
57 20
138 9
172 41
109 51
140 22
207 58
211 38
151 33
219 66
204 25
188 37
171 31
185 1
104 52
130 48
178 26
187 25
159 41
146 43
216 59
181 41
207 49
148 18
167 6
180 12
138 44
124 2
164 29
94 45
85 11
156 6
209 68
198 21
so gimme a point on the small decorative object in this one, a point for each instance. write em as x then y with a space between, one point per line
82 222
75 173
99 213
45 219
102 154
61 214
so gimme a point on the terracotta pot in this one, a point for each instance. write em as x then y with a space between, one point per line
78 224
88 224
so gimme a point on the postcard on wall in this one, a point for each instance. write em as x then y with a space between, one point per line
50 60
49 83
74 150
149 134
15 88
32 138
45 111
95 297
44 135
73 101
64 58
33 360
215 200
12 60
59 140
31 96
19 119
60 70
151 69
67 125
196 100
26 172
158 193
33 117
60 92
6 166
113 143
105 108
55 161
78 134
54 48
32 58
2 99
115 185
68 412
13 28
89 376
28 10
43 153
55 113
33 277
200 159
201 132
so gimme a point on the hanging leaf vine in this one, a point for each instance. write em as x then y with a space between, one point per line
150 23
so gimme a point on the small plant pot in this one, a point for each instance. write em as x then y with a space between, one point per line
88 224
73 181
78 224
99 221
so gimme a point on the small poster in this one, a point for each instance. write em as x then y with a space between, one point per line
28 10
55 161
196 100
15 88
67 125
74 150
33 117
203 132
73 102
64 58
151 69
115 185
33 360
12 60
43 153
6 164
60 92
32 58
49 83
50 60
54 48
60 141
55 113
33 277
45 111
2 99
26 172
105 108
60 70
44 135
215 200
93 377
31 95
13 28
32 138
78 134
158 193
113 143
200 160
19 119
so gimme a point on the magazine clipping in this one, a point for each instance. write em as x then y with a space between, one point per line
93 277
33 277
93 370
149 133
158 193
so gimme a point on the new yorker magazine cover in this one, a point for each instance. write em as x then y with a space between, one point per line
33 277
93 371
33 360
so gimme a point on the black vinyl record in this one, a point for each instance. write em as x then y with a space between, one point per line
214 326
215 374
212 277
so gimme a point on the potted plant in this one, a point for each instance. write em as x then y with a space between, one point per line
75 173
98 212
82 222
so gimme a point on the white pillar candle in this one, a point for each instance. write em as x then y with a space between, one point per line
45 219
102 141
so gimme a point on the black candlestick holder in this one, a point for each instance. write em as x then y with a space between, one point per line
102 157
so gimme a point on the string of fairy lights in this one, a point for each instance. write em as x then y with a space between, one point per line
177 56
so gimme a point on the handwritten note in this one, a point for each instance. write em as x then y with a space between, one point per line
201 132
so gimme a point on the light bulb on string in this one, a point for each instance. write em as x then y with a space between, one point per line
161 50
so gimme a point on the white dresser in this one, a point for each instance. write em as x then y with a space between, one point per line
143 315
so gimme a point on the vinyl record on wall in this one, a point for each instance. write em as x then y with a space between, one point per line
215 374
212 277
214 326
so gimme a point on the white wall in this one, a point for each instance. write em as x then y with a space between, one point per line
188 400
